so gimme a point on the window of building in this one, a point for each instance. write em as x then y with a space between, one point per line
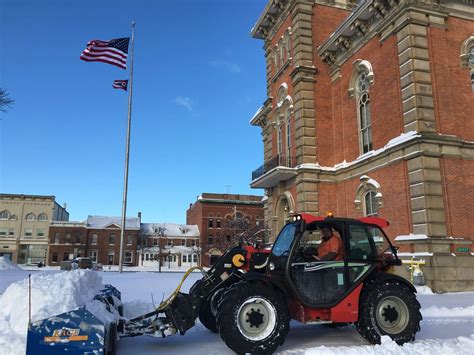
56 238
110 258
3 232
185 258
287 44
193 243
370 204
155 242
467 57
365 121
5 215
65 256
369 196
210 223
128 257
218 223
54 257
11 232
288 138
68 238
13 217
28 232
94 239
195 258
210 240
183 242
30 217
112 238
129 239
279 139
169 242
42 217
40 233
93 255
361 80
78 238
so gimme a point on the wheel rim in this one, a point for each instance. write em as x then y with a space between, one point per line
392 315
256 318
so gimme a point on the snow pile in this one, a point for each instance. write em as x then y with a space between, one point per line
438 312
459 345
6 264
51 294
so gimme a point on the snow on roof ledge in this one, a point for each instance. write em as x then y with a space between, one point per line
411 237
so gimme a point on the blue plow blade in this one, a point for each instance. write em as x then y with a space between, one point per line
73 332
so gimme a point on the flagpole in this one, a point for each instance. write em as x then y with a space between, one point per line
127 153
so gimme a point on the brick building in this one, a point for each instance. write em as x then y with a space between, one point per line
225 219
370 112
97 238
174 246
24 226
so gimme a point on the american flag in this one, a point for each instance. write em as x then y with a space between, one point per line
112 52
120 84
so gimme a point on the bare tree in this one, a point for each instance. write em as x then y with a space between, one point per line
239 231
5 100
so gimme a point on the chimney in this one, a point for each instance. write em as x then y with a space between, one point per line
140 216
64 205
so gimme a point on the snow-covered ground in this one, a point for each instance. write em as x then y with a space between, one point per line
447 327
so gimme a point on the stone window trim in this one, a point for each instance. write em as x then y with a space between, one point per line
367 185
30 217
465 51
42 217
360 66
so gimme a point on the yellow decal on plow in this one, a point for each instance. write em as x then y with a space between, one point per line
65 335
238 260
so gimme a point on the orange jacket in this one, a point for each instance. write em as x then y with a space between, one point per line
332 245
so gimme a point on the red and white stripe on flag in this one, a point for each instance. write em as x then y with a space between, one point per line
113 52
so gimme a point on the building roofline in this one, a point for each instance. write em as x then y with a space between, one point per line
28 196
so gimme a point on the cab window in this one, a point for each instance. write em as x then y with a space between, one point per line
361 242
284 240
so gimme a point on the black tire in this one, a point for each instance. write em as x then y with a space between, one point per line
253 318
388 308
206 317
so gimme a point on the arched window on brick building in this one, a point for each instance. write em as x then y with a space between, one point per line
467 57
362 79
369 198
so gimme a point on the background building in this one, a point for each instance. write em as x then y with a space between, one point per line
97 238
224 220
369 112
24 226
174 246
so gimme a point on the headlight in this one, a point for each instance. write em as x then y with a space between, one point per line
271 266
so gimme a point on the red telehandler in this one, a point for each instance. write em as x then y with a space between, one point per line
250 294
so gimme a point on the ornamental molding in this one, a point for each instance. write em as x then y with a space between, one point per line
377 18
360 66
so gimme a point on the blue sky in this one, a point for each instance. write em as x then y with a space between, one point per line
198 79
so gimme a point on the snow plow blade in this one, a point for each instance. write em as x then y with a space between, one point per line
78 331
74 332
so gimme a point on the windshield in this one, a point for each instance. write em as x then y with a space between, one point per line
284 240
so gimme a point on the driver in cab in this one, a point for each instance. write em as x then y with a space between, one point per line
331 246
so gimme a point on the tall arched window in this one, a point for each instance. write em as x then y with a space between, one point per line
30 217
471 65
287 44
365 122
361 80
279 138
369 198
288 138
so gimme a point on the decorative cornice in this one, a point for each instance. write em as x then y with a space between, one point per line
372 18
271 15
